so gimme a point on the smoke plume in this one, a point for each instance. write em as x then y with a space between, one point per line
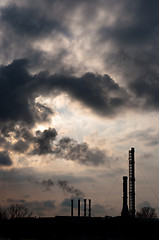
70 189
49 184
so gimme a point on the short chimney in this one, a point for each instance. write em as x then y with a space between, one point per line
89 214
71 207
85 207
78 207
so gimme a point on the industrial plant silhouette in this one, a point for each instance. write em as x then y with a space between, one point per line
125 211
82 225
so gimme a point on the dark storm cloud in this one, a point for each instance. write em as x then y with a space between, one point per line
16 95
19 90
69 189
136 24
20 146
12 80
27 21
5 159
72 150
22 137
25 24
147 88
133 33
134 38
101 93
43 141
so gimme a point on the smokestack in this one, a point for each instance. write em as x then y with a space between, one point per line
71 207
78 207
131 182
125 212
85 207
89 214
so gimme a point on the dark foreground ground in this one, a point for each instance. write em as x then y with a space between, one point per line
79 228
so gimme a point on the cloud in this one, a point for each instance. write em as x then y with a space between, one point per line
138 28
47 185
149 137
15 201
19 90
39 208
15 175
135 27
17 98
125 27
100 93
28 174
20 146
5 159
72 150
27 33
18 19
45 142
41 140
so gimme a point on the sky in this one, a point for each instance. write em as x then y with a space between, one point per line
78 88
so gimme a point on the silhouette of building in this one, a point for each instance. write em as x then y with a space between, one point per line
132 182
125 211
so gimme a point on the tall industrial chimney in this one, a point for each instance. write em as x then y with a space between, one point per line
125 212
131 182
89 213
78 207
71 207
85 207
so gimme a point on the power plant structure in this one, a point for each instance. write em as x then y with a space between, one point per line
131 211
132 182
84 208
125 210
79 207
89 211
71 207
